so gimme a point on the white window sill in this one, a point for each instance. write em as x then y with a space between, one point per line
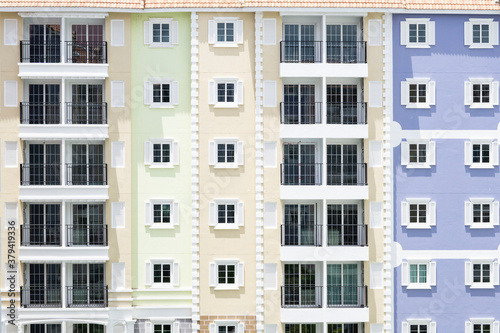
161 226
226 106
481 166
482 286
418 166
160 45
161 166
481 226
161 106
481 46
418 226
418 106
481 106
226 166
226 44
226 287
417 46
167 286
418 286
226 226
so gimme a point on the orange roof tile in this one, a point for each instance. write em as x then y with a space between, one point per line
452 4
128 4
194 4
326 3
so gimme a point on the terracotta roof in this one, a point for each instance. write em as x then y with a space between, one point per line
129 4
194 4
453 4
326 3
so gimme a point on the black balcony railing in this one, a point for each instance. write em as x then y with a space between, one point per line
301 234
87 296
293 296
301 173
346 174
300 113
346 113
41 235
40 174
86 52
41 296
347 296
87 174
87 235
347 234
346 52
40 52
40 113
301 51
87 113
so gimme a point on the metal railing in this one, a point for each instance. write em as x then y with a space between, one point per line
87 235
41 296
41 235
36 52
86 52
294 296
87 174
346 296
39 113
346 113
301 51
87 296
346 52
347 234
87 113
301 234
40 174
346 174
301 173
300 113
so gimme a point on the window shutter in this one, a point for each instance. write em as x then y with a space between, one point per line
10 32
467 93
432 152
176 273
431 33
212 276
468 327
433 327
10 94
118 214
496 327
117 94
403 34
468 273
148 327
241 153
468 213
494 152
494 33
211 93
147 213
175 32
468 152
176 213
10 154
270 214
241 274
241 327
496 214
405 273
270 150
269 32
211 153
404 93
432 92
117 276
212 32
494 93
177 328
495 273
404 213
175 153
240 93
146 33
405 153
148 93
432 273
175 93
467 33
374 32
212 212
270 276
117 154
432 213
147 152
117 33
11 213
239 31
404 328
148 273
241 214
376 275
212 328
269 94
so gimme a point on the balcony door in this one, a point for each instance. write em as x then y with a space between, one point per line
42 328
299 104
300 225
44 43
344 227
299 43
342 104
43 104
88 285
342 164
86 104
88 225
42 282
341 43
87 43
299 164
44 165
44 224
300 286
343 281
87 166
87 328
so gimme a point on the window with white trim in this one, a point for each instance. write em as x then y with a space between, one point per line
162 328
418 274
227 326
161 214
226 153
161 93
419 326
161 153
418 93
481 154
225 31
418 154
225 93
161 32
162 273
481 213
481 93
480 33
226 274
481 274
226 214
482 326
418 213
417 33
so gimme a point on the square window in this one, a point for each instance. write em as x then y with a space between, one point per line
160 32
227 328
161 213
481 273
162 273
226 213
418 153
481 33
226 152
226 274
161 153
225 92
417 32
418 273
418 328
418 93
161 93
481 213
481 328
225 32
481 93
481 153
418 213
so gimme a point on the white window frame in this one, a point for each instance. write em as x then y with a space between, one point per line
162 323
239 326
469 274
238 31
239 214
468 33
430 218
430 152
469 93
494 325
174 273
431 325
429 33
161 21
149 213
173 91
469 213
214 274
149 153
213 98
430 93
238 153
493 146
430 274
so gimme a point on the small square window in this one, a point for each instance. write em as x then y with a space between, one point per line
161 153
418 93
481 33
418 213
481 213
162 274
161 93
225 32
160 32
481 328
481 153
419 328
417 32
226 329
161 213
418 273
481 273
418 153
226 213
226 152
225 92
226 274
481 93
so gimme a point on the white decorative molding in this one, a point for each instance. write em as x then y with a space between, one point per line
59 70
63 131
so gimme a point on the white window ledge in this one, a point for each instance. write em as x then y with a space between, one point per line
418 226
224 287
419 286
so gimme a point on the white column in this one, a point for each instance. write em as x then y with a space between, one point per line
323 100
324 285
325 223
64 223
323 38
63 41
63 326
63 100
324 171
63 162
63 285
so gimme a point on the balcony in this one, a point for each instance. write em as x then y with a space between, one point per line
301 174
40 113
347 235
294 296
347 296
44 53
346 113
87 296
87 235
87 113
346 174
41 296
87 174
41 235
86 52
40 174
301 235
300 113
